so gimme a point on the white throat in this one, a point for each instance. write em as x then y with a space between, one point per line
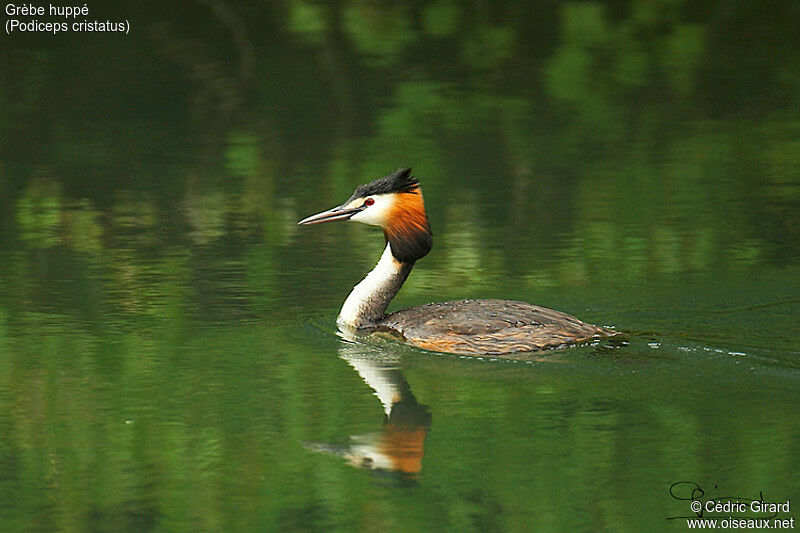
369 299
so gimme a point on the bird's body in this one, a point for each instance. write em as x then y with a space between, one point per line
488 327
464 326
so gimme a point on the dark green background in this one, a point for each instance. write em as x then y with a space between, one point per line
167 337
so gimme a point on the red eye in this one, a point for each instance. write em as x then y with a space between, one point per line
368 202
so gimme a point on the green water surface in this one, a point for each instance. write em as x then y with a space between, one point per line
169 359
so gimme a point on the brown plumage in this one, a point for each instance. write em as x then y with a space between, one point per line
488 327
407 229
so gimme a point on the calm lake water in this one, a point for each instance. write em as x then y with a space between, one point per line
169 359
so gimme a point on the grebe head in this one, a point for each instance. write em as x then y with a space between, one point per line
395 204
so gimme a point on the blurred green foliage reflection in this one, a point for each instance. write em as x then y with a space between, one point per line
166 330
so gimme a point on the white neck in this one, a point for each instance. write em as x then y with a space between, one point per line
369 299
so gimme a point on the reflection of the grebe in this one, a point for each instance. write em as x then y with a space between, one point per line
399 445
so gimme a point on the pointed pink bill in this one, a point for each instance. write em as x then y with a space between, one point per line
331 215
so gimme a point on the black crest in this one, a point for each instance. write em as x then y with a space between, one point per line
398 181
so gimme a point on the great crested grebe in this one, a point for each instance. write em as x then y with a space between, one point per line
464 326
